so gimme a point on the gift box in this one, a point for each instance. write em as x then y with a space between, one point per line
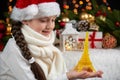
95 39
72 40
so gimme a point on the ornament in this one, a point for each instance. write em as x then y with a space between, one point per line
75 11
2 27
8 30
94 27
1 35
109 41
73 23
66 6
117 23
91 18
65 19
83 25
62 24
98 13
103 18
101 15
83 16
86 16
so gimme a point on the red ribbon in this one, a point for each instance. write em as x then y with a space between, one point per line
92 39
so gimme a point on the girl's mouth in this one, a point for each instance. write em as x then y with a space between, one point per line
46 32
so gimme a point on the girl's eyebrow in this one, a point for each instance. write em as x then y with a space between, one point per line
44 18
54 17
48 17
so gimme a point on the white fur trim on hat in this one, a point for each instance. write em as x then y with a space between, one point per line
35 11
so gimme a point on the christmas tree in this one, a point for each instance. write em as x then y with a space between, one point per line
100 15
5 27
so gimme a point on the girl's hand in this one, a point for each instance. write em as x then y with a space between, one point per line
83 74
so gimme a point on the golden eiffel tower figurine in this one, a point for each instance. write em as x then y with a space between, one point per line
85 62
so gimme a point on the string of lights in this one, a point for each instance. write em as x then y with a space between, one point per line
80 5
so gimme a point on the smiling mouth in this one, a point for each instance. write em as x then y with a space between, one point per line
46 32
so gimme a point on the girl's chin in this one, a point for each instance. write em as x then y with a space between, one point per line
46 35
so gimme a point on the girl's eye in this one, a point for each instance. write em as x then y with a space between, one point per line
53 20
43 20
47 20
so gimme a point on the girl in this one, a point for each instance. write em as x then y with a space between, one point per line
30 54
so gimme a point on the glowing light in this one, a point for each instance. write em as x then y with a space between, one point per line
10 8
10 0
80 2
88 7
109 8
89 3
105 1
76 5
74 1
66 6
65 19
87 0
75 11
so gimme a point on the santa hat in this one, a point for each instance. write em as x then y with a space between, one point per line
30 9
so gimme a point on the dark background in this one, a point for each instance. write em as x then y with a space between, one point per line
114 4
4 7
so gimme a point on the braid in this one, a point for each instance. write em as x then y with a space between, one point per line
20 41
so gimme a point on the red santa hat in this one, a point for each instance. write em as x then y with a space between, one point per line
30 9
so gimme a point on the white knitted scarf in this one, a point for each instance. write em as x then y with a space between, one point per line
45 54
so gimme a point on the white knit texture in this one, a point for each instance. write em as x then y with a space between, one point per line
36 11
46 55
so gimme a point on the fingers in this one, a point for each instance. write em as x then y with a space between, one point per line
91 73
96 74
99 73
83 74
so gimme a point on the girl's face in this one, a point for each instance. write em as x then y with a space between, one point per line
43 26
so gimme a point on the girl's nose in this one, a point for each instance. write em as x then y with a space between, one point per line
49 24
